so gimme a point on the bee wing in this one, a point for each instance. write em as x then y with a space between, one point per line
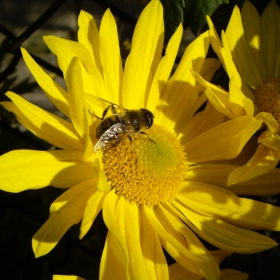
98 106
111 137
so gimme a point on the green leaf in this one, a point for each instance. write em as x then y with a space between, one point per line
195 12
173 16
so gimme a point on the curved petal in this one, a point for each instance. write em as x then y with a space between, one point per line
67 277
65 211
246 213
110 267
65 50
164 229
178 272
224 141
245 57
127 215
209 269
76 95
222 234
154 258
200 122
45 125
57 95
263 161
144 57
266 185
93 207
270 42
164 68
179 100
117 242
217 174
110 57
26 169
88 36
269 121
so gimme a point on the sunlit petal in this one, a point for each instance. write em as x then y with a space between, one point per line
25 169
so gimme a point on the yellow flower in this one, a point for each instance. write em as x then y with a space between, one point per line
249 52
158 190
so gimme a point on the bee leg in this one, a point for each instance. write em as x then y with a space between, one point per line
142 132
107 109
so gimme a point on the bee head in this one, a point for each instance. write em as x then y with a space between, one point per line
148 117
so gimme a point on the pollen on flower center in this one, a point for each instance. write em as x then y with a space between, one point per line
267 98
149 169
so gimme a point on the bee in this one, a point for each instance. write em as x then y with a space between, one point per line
118 123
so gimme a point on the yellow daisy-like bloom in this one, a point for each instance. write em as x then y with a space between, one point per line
249 52
157 191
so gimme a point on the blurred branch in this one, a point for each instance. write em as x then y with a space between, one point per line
12 65
7 33
116 11
47 65
34 26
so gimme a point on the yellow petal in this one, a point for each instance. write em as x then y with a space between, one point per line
164 68
265 185
164 229
26 169
66 210
154 258
144 57
54 91
217 96
76 95
45 125
93 207
224 141
117 242
269 120
67 277
65 50
127 214
240 105
245 57
270 42
102 183
217 174
178 272
263 161
110 267
88 36
110 57
200 122
224 235
210 66
231 274
252 32
209 269
219 202
215 39
179 101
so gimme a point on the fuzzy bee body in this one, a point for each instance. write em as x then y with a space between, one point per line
123 123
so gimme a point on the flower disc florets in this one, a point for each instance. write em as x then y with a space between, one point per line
267 98
149 169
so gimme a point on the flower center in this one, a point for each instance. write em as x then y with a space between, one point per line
149 169
267 98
